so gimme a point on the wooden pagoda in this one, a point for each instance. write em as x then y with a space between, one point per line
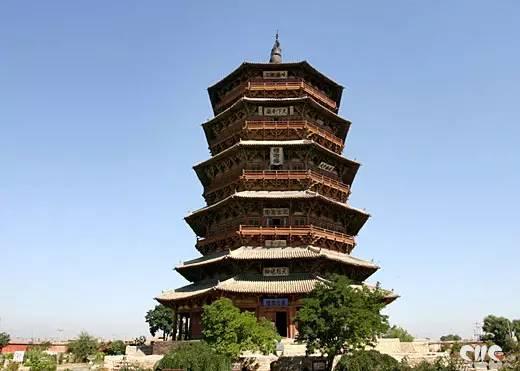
277 221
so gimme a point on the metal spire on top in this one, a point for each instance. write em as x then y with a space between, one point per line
276 51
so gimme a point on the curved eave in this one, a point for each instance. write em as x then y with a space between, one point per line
305 98
255 284
345 123
191 268
259 143
191 219
276 66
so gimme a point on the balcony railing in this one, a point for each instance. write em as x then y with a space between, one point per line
294 125
242 230
285 129
295 175
247 231
227 187
292 85
255 85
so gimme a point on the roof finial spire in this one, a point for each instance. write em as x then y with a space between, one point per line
276 51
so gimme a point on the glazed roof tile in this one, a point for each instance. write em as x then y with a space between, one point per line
267 253
255 284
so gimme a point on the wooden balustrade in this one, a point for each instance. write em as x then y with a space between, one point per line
262 85
242 230
238 130
246 230
283 175
291 85
296 175
294 125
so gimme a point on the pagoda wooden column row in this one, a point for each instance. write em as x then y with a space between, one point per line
182 326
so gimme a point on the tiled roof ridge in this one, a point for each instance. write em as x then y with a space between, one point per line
242 252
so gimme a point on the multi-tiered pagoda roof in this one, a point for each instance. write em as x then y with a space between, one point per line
277 219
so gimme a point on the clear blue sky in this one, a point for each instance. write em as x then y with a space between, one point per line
100 110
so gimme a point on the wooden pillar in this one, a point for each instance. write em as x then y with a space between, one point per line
174 334
186 335
181 327
189 325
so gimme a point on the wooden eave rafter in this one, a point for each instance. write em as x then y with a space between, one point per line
199 168
194 219
304 65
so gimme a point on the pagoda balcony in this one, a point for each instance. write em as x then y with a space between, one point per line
235 236
280 180
277 130
289 85
249 175
293 231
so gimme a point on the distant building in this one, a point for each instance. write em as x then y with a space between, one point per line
22 346
276 187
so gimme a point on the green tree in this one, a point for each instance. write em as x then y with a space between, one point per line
515 325
399 333
4 339
161 318
230 332
367 360
194 357
337 318
115 348
499 330
440 364
37 360
451 337
84 346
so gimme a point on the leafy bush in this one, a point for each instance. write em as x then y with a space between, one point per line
230 332
438 365
131 367
115 348
12 366
84 346
451 337
37 360
4 339
399 333
370 360
452 348
194 357
99 357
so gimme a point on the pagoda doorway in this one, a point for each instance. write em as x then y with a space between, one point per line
281 323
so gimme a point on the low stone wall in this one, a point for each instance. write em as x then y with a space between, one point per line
298 364
116 362
163 347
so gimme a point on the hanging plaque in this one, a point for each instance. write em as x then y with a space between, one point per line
275 74
326 167
276 155
275 243
275 111
275 271
276 211
275 302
